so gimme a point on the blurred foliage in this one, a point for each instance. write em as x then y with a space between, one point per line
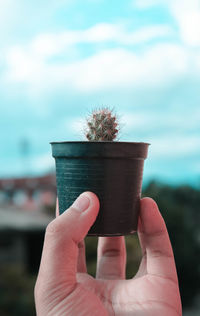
180 209
16 291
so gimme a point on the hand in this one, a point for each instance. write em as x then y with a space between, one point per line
63 286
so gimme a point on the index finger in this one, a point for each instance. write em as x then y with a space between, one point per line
155 242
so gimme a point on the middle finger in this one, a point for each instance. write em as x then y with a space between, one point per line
111 258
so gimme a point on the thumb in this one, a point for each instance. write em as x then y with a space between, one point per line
60 251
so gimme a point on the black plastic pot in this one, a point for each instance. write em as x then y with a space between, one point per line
113 171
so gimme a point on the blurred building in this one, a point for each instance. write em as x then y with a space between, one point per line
31 194
27 205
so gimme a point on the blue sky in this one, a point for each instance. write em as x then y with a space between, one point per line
61 58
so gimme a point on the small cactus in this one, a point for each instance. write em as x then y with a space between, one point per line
102 125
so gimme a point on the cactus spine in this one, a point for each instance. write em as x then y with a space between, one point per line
102 125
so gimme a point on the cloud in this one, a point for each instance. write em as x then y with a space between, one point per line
53 60
117 34
6 11
165 146
146 34
108 68
173 122
50 44
186 14
144 4
22 65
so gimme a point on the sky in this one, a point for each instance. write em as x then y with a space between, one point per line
60 59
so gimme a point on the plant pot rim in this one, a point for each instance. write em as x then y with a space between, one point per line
97 142
79 149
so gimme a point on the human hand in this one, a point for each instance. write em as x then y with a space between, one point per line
63 286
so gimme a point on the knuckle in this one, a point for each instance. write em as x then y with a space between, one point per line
112 253
160 253
53 227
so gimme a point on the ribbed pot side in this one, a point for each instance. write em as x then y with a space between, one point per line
111 170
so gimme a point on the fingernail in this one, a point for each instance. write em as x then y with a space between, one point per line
81 203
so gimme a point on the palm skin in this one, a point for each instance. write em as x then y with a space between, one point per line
123 297
65 288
